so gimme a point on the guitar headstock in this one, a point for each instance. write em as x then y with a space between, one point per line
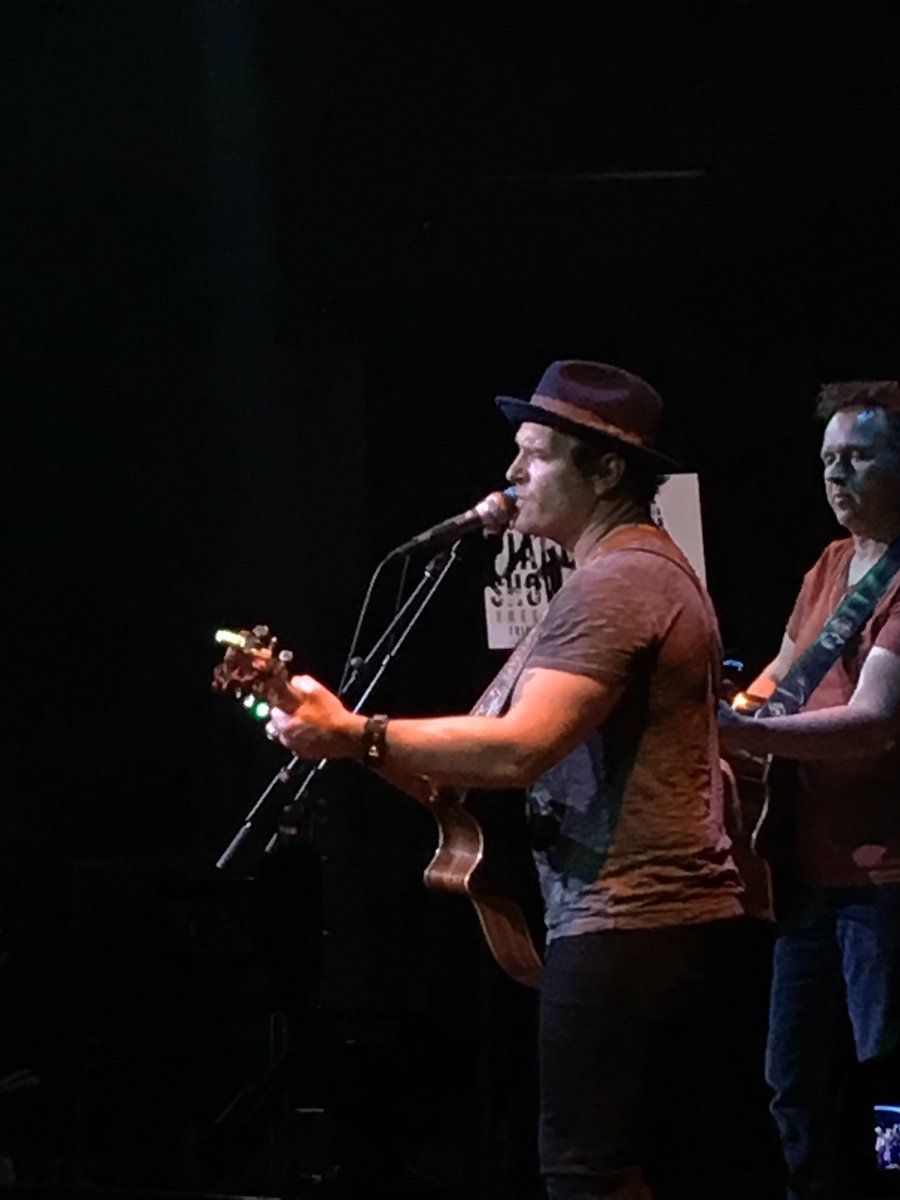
255 670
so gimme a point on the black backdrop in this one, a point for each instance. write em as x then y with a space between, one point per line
269 263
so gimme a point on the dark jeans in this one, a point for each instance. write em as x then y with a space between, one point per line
836 957
642 1089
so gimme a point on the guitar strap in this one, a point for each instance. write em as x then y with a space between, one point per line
494 698
847 619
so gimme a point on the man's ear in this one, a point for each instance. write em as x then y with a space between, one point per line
608 473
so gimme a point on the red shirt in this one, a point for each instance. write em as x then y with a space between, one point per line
848 811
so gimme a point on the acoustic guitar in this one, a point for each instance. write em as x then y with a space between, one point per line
483 851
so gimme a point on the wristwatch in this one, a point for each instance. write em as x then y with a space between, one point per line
374 740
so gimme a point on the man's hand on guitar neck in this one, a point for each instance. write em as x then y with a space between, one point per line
732 727
321 726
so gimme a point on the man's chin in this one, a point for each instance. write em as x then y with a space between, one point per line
524 526
841 508
846 518
530 526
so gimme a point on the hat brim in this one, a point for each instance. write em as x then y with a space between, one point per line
516 411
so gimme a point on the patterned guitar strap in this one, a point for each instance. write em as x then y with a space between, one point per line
495 696
847 619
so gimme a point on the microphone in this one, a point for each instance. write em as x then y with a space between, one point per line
492 514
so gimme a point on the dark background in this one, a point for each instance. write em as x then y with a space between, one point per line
267 265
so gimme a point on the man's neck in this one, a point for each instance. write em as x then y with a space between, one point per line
869 546
612 515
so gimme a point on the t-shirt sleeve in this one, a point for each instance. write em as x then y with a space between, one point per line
603 615
888 636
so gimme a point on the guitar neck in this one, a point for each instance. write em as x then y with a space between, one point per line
279 694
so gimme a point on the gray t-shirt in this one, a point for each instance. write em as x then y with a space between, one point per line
634 815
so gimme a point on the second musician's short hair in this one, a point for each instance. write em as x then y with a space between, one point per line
863 393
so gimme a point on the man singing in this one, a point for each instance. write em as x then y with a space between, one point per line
612 728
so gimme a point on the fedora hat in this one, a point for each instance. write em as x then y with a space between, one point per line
590 399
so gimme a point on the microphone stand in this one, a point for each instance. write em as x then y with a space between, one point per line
398 629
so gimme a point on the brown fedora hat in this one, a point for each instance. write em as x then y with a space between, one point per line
591 398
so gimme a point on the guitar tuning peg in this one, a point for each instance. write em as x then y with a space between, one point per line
261 631
285 656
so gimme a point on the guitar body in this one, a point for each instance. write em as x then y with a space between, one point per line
766 788
483 853
774 832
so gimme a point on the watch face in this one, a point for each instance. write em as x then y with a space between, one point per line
373 740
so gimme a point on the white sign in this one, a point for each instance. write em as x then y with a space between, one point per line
678 504
529 570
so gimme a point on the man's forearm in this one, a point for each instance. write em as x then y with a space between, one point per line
553 712
466 751
839 732
762 686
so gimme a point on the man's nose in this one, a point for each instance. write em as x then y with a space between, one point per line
514 473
